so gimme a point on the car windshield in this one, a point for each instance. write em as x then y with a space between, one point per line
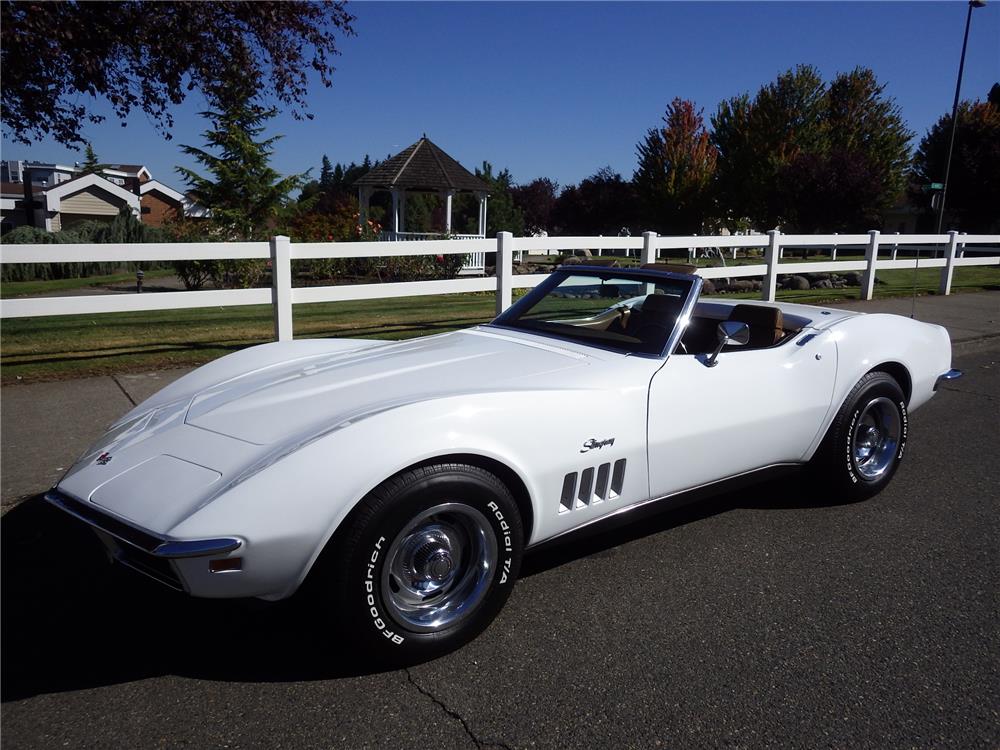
631 313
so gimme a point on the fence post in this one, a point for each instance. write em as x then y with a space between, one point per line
833 248
648 247
949 263
895 247
771 255
281 287
505 270
871 257
961 248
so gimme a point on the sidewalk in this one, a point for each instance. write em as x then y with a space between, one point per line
44 427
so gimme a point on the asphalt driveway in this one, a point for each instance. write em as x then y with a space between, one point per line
754 619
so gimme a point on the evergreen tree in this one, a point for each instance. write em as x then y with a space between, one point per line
90 163
501 213
242 191
326 176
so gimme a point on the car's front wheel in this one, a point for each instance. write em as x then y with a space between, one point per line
866 441
425 563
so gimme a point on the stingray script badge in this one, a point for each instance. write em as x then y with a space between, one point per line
595 443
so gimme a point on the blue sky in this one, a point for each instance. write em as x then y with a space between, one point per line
561 89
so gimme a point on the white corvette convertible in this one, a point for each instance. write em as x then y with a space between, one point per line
402 481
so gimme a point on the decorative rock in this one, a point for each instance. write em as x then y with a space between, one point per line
708 287
798 282
853 278
823 284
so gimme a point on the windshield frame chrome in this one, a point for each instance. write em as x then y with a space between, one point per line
604 272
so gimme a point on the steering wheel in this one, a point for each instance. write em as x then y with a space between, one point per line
624 313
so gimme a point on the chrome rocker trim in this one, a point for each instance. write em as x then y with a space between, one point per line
152 544
950 375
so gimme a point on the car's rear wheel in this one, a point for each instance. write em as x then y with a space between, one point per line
425 562
865 443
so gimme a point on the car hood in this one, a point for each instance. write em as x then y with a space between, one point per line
279 402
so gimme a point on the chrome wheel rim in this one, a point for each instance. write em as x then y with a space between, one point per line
876 438
439 567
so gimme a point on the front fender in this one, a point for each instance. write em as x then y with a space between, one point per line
288 511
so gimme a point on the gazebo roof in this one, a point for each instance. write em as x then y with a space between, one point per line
422 166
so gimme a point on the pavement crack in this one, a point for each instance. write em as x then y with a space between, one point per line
453 714
122 389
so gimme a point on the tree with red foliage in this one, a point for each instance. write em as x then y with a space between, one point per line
601 204
536 201
676 168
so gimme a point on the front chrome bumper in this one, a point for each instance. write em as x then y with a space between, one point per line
950 375
141 550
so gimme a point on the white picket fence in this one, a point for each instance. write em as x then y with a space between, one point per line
282 296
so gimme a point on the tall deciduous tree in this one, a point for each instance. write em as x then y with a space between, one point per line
676 166
858 170
810 157
536 201
242 190
602 204
757 139
973 203
148 56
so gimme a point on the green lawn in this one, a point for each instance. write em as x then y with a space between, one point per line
24 288
73 346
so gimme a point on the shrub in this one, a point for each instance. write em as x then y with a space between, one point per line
124 228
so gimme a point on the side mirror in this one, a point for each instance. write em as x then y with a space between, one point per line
730 333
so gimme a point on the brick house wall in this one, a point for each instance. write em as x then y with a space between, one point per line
156 209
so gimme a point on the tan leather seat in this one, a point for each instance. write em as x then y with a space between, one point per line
765 322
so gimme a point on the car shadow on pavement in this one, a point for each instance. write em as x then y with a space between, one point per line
72 621
653 518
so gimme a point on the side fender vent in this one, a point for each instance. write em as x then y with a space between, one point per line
594 485
568 491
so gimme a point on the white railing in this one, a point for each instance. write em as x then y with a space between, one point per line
474 264
281 251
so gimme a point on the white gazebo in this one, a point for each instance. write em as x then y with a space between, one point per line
422 168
